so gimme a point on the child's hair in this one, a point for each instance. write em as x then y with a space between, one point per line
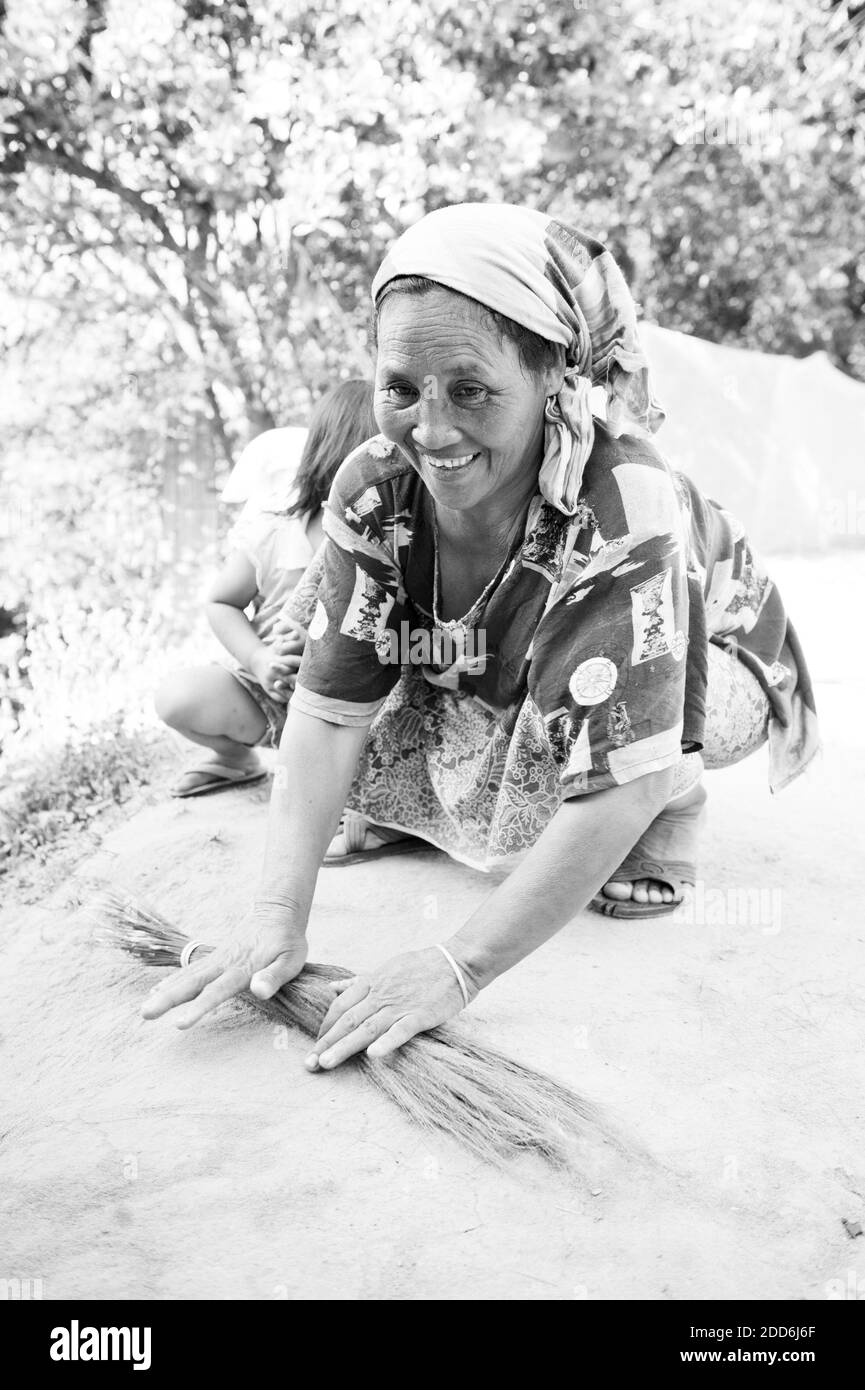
341 421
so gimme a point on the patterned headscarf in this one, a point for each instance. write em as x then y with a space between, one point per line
563 286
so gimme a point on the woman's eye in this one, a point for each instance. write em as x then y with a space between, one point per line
400 392
470 395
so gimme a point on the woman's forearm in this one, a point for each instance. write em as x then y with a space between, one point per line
314 772
234 631
584 843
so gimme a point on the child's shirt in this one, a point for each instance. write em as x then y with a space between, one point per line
279 550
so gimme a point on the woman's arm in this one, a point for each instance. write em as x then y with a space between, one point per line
316 765
585 841
317 761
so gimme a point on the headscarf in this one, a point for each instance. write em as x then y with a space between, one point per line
563 286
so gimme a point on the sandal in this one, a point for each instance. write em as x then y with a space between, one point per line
353 827
672 874
650 859
215 776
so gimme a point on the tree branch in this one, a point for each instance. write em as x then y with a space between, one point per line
77 168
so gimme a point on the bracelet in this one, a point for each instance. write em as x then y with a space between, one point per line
459 974
187 952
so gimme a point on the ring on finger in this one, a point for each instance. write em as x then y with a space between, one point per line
186 953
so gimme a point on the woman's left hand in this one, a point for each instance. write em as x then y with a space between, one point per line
380 1011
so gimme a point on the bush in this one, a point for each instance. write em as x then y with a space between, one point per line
88 736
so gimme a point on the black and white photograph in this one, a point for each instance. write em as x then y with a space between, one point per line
432 541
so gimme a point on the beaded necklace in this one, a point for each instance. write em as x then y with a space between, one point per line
461 626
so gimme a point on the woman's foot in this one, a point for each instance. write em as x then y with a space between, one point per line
670 843
357 838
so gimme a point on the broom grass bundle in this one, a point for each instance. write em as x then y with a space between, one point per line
442 1080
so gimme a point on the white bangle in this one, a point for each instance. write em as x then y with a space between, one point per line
461 981
187 952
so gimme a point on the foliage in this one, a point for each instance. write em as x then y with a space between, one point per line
240 168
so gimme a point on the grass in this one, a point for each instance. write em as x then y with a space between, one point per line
67 786
57 799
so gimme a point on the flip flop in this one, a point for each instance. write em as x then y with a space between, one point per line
217 777
651 858
353 827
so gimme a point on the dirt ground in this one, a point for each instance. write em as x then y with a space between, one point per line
137 1161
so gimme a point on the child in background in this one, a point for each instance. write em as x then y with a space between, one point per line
236 706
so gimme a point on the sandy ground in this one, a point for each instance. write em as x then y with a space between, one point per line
137 1161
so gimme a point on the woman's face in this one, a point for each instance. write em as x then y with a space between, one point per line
455 398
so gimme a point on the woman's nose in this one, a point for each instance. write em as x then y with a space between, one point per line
433 429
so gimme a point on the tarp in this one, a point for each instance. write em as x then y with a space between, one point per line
779 441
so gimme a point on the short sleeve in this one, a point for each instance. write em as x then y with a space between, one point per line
250 535
609 659
347 672
271 541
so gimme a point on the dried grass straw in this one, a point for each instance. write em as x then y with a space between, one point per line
442 1080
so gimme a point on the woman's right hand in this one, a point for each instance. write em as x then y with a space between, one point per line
270 952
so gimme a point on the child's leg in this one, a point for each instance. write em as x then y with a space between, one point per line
207 705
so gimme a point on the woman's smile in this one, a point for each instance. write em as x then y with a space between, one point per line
452 464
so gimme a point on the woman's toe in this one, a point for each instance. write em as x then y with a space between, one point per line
619 892
338 849
644 890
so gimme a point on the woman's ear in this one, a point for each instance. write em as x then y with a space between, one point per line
554 375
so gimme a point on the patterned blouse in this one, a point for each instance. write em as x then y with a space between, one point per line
588 665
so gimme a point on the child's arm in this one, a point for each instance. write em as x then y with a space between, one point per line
231 591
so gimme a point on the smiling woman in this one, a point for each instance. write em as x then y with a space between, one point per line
463 407
630 632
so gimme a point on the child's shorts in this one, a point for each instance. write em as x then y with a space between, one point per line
274 712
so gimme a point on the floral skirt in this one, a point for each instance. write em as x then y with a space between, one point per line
437 764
